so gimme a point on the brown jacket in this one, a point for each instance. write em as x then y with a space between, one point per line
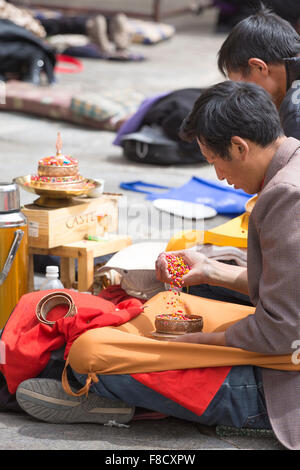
274 288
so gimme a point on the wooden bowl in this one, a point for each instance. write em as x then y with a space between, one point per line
170 325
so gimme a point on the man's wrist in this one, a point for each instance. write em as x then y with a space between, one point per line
213 339
226 275
210 272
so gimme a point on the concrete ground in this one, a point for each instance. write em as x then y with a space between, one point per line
187 60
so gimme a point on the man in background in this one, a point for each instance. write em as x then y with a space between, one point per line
263 49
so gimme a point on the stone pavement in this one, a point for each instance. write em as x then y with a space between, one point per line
21 432
187 60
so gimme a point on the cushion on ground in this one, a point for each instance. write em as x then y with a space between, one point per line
148 32
109 105
100 110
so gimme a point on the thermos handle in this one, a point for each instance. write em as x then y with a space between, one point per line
11 255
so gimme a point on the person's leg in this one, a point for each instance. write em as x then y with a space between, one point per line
218 293
93 27
119 32
239 402
97 31
65 25
114 386
114 30
101 30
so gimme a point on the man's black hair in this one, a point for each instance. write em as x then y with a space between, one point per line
232 109
263 35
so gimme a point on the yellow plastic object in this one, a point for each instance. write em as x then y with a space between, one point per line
232 233
185 239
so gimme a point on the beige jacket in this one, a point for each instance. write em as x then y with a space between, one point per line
274 288
22 18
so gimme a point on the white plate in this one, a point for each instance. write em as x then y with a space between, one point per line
189 210
141 255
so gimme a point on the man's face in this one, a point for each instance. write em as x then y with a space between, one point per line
235 171
271 78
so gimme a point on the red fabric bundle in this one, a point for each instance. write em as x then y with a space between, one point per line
28 343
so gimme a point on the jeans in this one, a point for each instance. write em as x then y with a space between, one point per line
239 402
65 25
69 24
218 293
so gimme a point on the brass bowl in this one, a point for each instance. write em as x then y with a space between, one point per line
54 197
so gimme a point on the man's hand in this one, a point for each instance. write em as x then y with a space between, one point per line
204 270
197 263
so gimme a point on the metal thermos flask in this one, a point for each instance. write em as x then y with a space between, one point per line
13 250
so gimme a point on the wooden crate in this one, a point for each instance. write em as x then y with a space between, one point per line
52 227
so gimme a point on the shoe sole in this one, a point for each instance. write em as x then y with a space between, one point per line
46 400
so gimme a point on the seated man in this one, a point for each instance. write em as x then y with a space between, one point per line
263 49
238 130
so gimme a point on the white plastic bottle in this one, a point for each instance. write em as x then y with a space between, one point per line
52 280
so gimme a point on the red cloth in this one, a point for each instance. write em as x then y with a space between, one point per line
116 294
191 388
28 343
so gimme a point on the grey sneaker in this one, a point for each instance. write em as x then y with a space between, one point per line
46 400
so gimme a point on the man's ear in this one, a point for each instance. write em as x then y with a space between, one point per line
239 147
258 66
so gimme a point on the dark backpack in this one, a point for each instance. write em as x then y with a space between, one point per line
164 146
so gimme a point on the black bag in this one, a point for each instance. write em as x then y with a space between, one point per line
158 154
21 51
157 141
